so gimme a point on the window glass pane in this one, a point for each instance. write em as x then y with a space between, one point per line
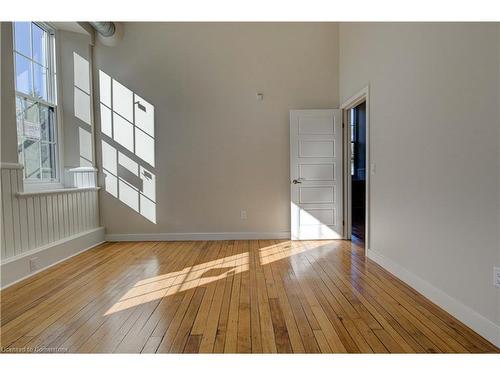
39 45
32 130
48 174
47 124
48 160
31 111
24 78
22 42
40 81
19 116
31 117
20 155
31 159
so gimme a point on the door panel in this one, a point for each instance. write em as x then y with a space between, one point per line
317 172
315 125
316 182
316 149
309 194
317 216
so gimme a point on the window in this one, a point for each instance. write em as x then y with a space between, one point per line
35 76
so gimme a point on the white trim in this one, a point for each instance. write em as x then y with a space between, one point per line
37 186
471 318
58 85
197 236
357 98
47 246
16 269
361 96
81 169
56 191
11 166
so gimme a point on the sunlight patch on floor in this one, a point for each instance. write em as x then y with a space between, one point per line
157 287
161 286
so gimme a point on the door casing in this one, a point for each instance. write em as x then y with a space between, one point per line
361 96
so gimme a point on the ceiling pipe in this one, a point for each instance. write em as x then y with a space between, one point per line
105 29
108 33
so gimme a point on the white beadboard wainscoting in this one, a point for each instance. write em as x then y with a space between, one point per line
41 228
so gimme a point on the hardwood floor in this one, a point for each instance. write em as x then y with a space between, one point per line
226 297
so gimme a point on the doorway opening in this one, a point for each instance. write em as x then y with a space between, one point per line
357 124
357 168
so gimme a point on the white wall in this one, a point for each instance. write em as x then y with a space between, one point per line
74 51
498 168
434 92
218 149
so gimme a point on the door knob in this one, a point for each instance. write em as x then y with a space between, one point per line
297 181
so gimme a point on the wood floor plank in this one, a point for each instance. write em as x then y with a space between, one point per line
231 340
201 317
305 330
266 322
176 322
220 337
289 319
71 297
256 296
322 342
210 332
281 336
157 293
255 329
244 344
431 341
192 344
182 335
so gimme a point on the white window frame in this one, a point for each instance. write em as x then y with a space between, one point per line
53 88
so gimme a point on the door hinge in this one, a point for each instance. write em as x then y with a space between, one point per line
343 223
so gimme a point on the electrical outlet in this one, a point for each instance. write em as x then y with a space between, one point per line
496 276
34 264
243 215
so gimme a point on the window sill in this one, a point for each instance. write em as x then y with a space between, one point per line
81 170
35 186
55 191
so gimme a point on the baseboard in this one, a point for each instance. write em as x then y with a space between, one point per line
198 236
483 326
17 268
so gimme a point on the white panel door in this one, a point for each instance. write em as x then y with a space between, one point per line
316 174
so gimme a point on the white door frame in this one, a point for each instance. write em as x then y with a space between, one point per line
361 96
